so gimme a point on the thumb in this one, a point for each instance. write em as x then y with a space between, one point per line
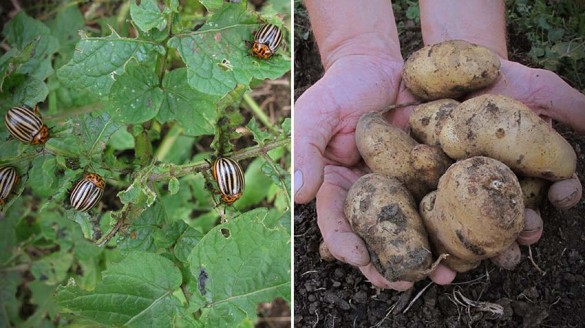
314 122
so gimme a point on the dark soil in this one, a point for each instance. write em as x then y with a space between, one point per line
547 293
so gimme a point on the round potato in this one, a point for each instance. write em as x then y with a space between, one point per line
383 213
450 69
505 129
476 213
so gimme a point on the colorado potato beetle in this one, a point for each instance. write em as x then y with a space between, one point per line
266 41
87 192
26 125
8 179
230 179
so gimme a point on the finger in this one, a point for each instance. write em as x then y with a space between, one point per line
442 275
379 281
337 234
565 194
313 131
532 228
509 258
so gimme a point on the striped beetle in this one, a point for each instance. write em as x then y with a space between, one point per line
266 41
87 192
26 125
230 178
8 179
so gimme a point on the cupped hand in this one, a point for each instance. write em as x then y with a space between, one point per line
327 113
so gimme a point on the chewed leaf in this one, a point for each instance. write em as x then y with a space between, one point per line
97 61
218 56
244 263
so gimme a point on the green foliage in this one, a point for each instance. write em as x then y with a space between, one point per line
144 101
556 34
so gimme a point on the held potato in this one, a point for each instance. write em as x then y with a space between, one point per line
450 69
476 213
427 120
390 151
383 213
507 130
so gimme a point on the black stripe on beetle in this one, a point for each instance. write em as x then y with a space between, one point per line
266 41
26 125
87 192
230 179
8 179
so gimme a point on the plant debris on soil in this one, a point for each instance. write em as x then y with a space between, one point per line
547 289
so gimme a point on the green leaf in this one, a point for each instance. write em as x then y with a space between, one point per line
148 15
10 305
20 89
174 185
135 292
193 110
97 62
141 233
65 27
286 126
23 31
186 242
249 266
217 56
212 5
136 95
52 269
93 132
43 175
121 139
260 135
257 185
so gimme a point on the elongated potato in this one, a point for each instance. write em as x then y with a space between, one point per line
383 213
450 69
507 130
390 151
476 213
427 120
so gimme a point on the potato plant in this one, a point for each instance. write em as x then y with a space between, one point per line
145 94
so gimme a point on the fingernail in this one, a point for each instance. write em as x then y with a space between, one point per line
298 180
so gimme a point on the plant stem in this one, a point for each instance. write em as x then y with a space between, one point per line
168 142
171 170
257 111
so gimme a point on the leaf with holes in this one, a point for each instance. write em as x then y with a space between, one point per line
147 15
97 61
218 57
239 264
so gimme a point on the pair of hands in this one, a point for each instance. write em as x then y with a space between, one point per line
327 162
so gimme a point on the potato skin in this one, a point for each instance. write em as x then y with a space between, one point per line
427 120
450 69
383 213
390 151
507 130
476 213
